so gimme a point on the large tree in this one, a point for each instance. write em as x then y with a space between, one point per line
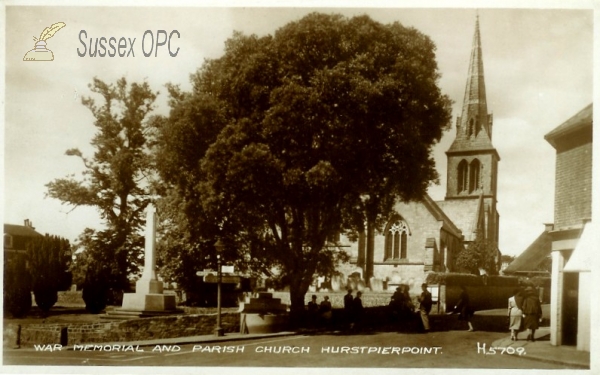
114 180
179 142
328 116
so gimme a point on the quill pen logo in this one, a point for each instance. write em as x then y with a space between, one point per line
40 52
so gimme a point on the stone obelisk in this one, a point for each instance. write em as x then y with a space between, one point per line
148 298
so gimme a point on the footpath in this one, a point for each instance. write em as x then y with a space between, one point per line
542 350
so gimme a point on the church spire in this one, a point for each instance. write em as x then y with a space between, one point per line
474 126
474 113
472 158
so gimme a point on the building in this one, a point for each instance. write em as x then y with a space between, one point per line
572 232
427 235
535 259
16 238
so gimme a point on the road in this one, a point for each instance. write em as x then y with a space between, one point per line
449 349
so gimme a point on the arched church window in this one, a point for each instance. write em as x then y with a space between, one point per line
474 176
477 127
396 240
463 175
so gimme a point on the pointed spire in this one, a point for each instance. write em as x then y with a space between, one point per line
475 102
474 126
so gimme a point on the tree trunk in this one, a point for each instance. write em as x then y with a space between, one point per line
297 293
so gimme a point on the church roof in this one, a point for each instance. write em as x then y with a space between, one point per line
441 215
464 214
481 142
530 259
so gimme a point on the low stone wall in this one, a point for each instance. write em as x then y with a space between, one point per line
118 331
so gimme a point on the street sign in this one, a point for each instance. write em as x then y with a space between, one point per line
227 269
213 278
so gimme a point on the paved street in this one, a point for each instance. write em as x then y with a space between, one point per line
450 349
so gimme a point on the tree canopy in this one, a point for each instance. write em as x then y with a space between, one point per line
301 133
480 254
113 180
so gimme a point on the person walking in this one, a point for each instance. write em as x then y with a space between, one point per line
532 312
425 302
515 315
463 307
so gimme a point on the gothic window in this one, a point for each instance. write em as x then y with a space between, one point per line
396 240
474 177
463 175
477 127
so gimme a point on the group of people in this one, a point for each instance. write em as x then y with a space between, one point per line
353 309
524 309
321 313
524 312
403 307
401 304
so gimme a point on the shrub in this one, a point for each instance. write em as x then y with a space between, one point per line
453 279
49 258
94 296
17 287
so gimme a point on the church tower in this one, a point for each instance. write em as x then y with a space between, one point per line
472 159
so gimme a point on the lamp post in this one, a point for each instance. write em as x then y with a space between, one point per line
219 247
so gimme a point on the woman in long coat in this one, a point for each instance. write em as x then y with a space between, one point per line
515 314
532 312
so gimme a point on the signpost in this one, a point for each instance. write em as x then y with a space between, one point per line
219 246
213 278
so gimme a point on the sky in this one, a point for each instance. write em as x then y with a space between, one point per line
537 64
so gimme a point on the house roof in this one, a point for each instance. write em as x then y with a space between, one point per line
464 213
20 230
531 258
580 121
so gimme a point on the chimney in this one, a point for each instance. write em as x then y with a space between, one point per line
29 224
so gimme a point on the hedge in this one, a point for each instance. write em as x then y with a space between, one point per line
458 279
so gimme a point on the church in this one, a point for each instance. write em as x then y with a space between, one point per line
427 235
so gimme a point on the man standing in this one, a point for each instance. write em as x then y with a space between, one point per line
325 311
348 299
425 303
357 311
